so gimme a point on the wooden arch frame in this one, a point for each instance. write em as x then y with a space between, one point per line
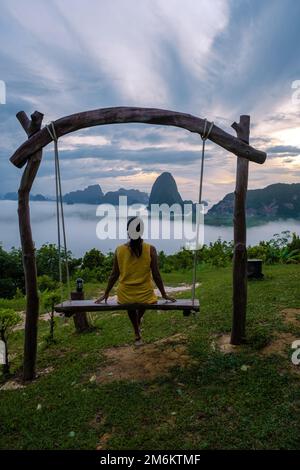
30 153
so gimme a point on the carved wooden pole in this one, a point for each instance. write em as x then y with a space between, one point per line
240 248
32 300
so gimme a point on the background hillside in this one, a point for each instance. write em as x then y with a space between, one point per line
277 201
274 202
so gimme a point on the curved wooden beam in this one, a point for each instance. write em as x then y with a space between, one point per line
118 115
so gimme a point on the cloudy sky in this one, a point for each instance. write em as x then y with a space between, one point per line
211 58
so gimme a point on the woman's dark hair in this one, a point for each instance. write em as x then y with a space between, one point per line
136 245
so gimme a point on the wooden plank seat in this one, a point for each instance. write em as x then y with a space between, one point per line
69 307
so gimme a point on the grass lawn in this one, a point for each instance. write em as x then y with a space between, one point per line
214 400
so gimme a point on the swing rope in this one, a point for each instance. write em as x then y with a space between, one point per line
59 212
204 137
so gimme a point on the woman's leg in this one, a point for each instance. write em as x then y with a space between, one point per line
141 312
134 318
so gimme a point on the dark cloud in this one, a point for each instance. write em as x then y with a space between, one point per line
249 68
142 157
284 149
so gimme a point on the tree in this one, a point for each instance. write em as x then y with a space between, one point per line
47 261
46 283
93 259
11 272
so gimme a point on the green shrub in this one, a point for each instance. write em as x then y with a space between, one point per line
8 319
11 272
46 283
50 299
93 259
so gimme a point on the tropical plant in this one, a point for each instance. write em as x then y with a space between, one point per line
8 319
50 299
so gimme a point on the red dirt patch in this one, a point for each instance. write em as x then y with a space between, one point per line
103 441
291 315
223 344
279 345
144 362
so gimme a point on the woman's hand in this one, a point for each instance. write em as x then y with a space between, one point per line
167 297
103 297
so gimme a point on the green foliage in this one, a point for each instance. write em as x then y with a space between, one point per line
11 272
96 272
15 303
8 319
50 299
211 402
47 261
294 244
46 283
218 253
282 248
95 267
93 259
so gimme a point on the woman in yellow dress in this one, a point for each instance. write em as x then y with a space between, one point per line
136 266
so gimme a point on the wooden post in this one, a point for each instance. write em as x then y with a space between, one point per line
80 319
32 300
240 248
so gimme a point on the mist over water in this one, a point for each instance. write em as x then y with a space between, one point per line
81 222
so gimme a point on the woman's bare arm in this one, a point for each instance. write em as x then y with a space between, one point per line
114 276
156 274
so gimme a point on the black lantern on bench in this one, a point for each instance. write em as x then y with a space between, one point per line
79 285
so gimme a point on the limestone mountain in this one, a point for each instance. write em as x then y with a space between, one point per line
164 190
277 201
91 195
134 196
94 195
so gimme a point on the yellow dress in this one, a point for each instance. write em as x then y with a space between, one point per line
135 281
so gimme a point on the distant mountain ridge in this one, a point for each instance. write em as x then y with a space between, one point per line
276 201
94 195
91 195
14 197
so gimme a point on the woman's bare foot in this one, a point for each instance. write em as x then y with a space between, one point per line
138 338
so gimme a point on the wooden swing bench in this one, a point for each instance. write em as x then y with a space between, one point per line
71 307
